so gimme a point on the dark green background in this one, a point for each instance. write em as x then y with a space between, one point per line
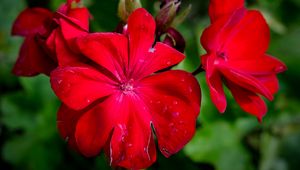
234 141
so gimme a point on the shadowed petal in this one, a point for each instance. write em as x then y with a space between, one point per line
66 123
32 59
31 21
248 101
78 87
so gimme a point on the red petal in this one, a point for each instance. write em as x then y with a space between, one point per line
214 37
78 87
217 94
264 65
66 123
141 29
160 57
70 32
270 82
245 81
80 17
132 145
246 39
50 44
249 101
31 21
243 36
33 59
95 125
67 55
221 8
173 98
109 50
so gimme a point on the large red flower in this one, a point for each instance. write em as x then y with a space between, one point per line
119 102
236 42
46 33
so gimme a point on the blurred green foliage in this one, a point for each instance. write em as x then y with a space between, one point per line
233 141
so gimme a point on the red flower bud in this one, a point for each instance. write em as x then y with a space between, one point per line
174 39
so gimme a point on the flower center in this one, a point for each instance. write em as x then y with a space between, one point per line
127 87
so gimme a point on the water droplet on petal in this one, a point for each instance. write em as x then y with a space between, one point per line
59 81
130 145
169 63
151 50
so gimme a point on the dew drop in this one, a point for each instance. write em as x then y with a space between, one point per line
175 102
169 63
130 145
151 50
59 81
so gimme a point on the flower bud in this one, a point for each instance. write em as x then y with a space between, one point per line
166 15
126 7
174 39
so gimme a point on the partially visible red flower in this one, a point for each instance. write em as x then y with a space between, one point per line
119 102
33 24
236 44
46 33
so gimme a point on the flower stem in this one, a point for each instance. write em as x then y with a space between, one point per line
199 70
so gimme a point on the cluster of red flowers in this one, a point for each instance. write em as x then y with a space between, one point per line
117 90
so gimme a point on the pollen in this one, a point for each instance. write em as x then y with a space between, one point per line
126 87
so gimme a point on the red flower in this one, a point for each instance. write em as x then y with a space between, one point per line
33 24
45 33
236 42
118 103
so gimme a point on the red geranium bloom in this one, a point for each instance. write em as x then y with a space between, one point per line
117 101
33 24
45 33
236 42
